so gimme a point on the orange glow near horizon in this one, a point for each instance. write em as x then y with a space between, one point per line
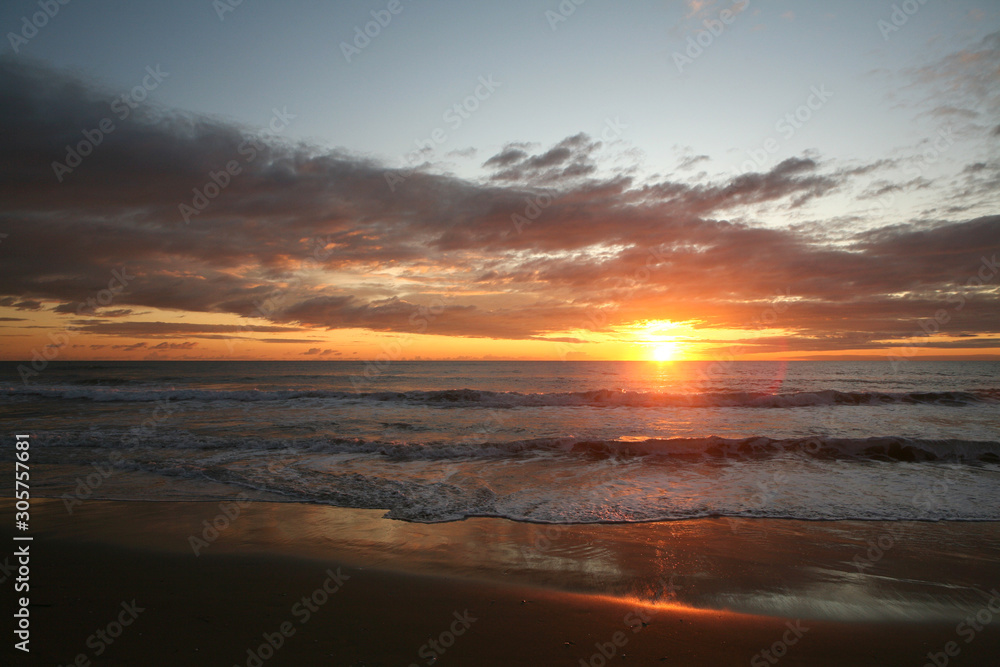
161 335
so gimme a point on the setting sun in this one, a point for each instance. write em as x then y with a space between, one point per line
659 339
668 351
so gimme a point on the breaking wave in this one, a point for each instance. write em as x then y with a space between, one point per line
699 449
510 399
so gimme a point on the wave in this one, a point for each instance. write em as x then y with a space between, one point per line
571 481
548 480
510 399
693 450
885 449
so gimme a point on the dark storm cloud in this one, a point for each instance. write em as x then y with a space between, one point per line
407 257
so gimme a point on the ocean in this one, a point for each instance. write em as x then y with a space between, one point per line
544 442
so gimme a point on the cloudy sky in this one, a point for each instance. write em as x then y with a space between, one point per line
527 179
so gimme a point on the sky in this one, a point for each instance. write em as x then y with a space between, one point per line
585 179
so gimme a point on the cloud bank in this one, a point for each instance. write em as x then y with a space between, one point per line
310 239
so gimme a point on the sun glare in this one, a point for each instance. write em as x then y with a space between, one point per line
658 340
665 351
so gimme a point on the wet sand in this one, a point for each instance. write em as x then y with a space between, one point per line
494 592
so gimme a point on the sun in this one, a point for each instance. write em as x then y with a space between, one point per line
667 351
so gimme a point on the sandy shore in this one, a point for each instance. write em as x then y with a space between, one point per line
119 583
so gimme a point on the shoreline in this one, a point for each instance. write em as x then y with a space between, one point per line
399 585
826 570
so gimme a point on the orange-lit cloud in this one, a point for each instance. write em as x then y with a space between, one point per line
305 248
